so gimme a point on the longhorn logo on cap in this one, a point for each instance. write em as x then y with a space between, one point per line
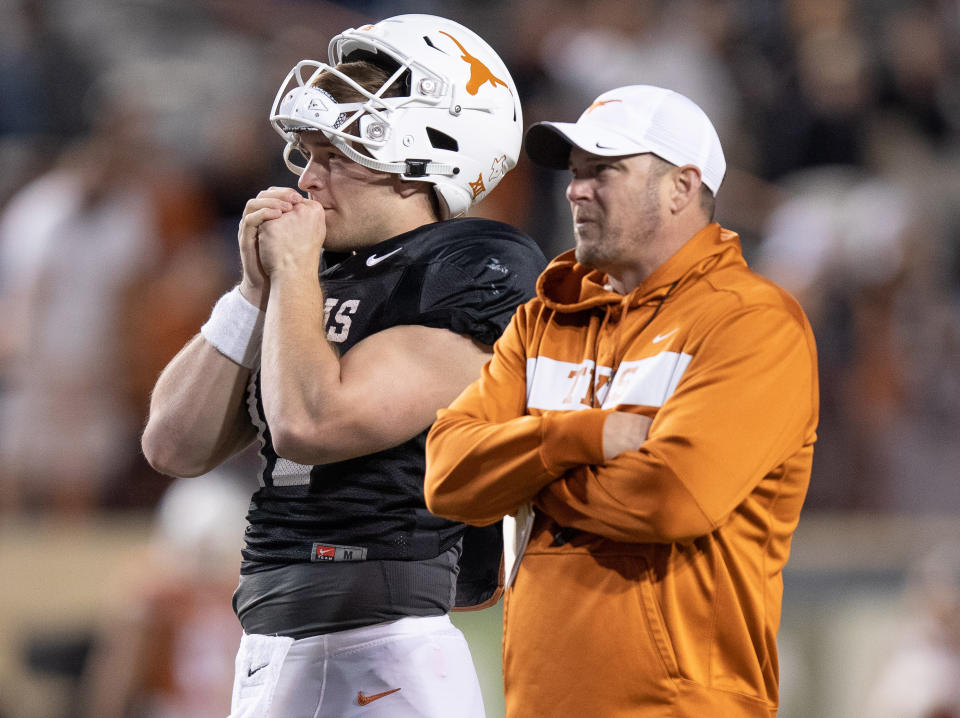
599 103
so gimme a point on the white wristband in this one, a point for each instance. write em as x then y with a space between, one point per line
235 328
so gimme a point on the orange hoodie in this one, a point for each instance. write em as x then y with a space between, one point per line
653 579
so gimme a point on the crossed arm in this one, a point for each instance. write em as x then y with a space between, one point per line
486 457
742 409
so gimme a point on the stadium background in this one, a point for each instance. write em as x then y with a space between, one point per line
131 134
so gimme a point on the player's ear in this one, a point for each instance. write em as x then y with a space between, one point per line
421 191
408 188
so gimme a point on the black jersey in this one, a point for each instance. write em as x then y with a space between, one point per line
465 275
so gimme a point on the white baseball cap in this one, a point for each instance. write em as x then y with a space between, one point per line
632 120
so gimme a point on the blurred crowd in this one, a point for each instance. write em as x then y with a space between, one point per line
132 132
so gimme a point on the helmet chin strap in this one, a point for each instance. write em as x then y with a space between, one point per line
453 205
409 168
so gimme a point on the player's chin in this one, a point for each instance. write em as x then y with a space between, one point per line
333 224
336 242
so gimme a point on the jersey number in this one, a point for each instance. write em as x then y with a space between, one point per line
339 329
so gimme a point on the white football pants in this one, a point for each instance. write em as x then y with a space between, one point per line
416 667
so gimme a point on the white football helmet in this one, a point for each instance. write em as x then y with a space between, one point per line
458 124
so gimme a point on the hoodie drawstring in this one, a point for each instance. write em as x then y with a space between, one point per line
656 311
623 315
596 354
624 308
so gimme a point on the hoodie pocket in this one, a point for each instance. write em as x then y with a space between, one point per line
656 626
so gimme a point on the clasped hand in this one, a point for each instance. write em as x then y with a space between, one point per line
280 230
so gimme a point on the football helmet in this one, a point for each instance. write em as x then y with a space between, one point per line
457 125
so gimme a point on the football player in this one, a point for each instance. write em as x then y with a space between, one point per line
347 579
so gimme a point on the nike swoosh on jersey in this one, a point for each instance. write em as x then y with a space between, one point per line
366 700
251 671
373 259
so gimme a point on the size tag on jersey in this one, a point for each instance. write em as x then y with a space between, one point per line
328 552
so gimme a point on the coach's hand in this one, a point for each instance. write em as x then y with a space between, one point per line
293 241
269 204
624 432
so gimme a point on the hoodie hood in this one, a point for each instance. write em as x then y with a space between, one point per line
567 286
